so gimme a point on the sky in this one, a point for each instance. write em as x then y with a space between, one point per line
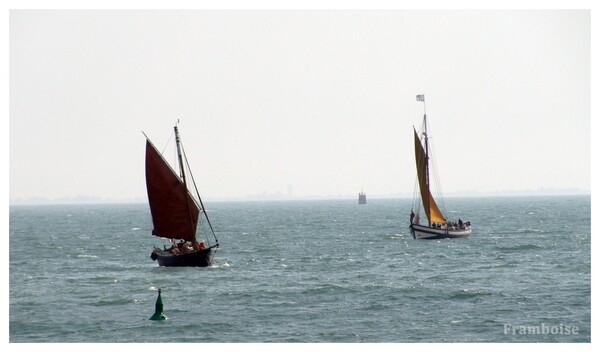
307 102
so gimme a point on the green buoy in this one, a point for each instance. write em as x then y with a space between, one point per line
158 310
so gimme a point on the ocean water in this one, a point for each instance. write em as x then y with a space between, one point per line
306 271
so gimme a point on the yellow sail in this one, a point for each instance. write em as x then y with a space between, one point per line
432 211
435 214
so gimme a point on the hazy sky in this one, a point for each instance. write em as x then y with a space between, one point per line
322 100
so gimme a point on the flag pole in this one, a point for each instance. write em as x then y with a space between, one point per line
421 97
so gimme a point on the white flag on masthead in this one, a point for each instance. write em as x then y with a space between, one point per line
421 97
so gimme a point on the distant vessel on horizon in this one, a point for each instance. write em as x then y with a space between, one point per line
362 197
175 212
437 225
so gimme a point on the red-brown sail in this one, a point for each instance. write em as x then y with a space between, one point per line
174 211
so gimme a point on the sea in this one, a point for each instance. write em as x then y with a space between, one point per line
306 271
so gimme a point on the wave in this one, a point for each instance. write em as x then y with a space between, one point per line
220 265
113 302
530 230
521 247
466 294
329 289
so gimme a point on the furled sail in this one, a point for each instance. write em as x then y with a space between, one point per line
174 211
432 211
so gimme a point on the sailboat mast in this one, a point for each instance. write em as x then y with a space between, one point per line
182 171
426 137
180 157
426 142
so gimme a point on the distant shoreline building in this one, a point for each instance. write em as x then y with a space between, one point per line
362 198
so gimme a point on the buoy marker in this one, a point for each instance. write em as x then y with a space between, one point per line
158 309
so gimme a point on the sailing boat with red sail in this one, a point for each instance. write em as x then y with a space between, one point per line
437 225
175 212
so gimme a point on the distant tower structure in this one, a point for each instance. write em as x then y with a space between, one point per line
362 197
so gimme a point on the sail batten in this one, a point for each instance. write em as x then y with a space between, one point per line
432 211
174 210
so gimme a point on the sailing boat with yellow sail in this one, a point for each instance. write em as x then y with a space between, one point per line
438 226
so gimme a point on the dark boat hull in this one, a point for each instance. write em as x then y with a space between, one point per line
200 258
420 232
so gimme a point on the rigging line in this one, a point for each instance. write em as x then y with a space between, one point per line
182 166
198 194
435 171
167 144
185 187
416 193
201 225
436 175
440 193
416 197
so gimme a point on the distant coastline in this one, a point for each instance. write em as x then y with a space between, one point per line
83 199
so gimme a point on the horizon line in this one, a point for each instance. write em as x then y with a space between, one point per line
85 199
